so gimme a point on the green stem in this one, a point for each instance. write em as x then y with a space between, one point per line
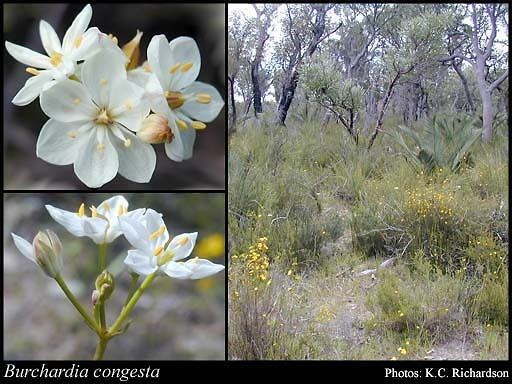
100 349
133 287
102 257
131 304
88 319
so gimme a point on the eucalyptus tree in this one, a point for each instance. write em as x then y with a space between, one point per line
304 27
478 32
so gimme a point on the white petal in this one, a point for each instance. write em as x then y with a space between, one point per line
198 111
136 233
184 50
182 245
77 28
139 76
70 220
123 92
140 262
133 118
60 143
27 56
176 270
137 161
97 163
68 101
24 247
153 222
160 60
49 38
96 229
88 47
182 145
111 206
202 268
100 72
32 88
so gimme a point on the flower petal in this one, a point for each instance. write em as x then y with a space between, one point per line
77 28
160 59
32 88
27 56
139 76
100 72
24 247
87 46
96 229
182 245
182 145
140 262
69 220
49 38
68 101
112 206
176 270
132 119
201 268
137 161
97 163
60 143
155 228
200 111
136 233
184 50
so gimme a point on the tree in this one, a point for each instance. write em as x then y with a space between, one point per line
481 36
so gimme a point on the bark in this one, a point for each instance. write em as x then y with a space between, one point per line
232 128
256 90
457 66
287 93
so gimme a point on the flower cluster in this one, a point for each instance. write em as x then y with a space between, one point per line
429 202
255 262
325 314
144 229
105 109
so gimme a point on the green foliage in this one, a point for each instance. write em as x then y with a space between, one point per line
491 302
443 144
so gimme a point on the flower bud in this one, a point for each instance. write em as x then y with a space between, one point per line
104 287
47 252
155 130
95 296
132 51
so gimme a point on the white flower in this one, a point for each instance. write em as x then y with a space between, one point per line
154 252
103 225
78 44
174 93
45 251
91 122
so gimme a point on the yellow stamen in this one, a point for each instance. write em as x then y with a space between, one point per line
183 241
186 67
128 105
203 98
198 125
94 211
56 59
181 124
157 233
174 99
113 38
146 67
32 71
76 101
103 81
81 210
127 143
158 250
106 207
121 210
78 41
175 68
71 134
100 147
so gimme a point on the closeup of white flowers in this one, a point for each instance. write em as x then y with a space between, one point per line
154 254
106 109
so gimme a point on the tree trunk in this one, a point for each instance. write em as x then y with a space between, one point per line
256 91
464 82
287 93
232 128
487 115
